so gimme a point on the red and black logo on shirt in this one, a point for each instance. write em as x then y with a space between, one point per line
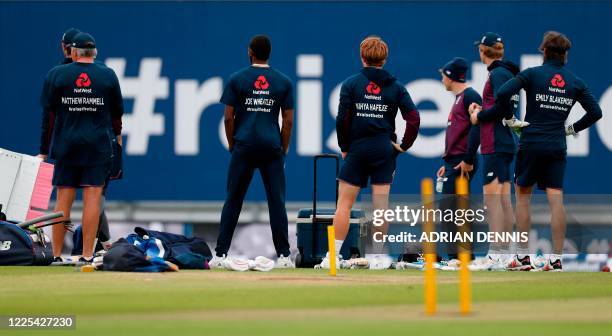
261 83
83 80
372 88
557 81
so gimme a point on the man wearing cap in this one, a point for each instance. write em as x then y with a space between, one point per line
497 145
551 91
462 138
47 124
85 99
253 98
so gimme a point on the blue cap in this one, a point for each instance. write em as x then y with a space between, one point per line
489 39
83 41
455 69
69 35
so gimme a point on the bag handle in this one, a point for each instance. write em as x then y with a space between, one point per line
314 196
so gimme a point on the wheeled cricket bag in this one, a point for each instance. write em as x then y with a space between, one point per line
312 227
25 244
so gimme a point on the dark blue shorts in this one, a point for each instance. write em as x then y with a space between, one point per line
369 158
66 175
546 168
497 166
451 174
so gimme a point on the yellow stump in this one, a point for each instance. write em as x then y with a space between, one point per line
465 285
429 250
331 238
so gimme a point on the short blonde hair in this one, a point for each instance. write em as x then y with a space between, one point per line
495 52
374 51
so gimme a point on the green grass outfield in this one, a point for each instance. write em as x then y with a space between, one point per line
306 302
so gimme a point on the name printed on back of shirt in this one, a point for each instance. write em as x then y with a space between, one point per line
371 107
259 104
553 101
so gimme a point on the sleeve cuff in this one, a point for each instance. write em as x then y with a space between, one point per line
405 147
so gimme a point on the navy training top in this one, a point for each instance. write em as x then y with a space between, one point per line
257 95
369 102
495 137
81 104
552 90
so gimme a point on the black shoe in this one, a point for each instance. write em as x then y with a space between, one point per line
82 261
553 266
519 264
57 261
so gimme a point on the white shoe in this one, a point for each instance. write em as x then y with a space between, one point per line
539 261
496 264
261 264
403 265
477 264
340 264
487 264
451 265
284 262
98 262
216 262
358 263
379 261
515 123
236 264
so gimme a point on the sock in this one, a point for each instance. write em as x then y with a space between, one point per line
522 252
338 244
554 257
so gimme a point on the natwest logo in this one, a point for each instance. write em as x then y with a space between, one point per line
372 88
83 80
261 83
557 81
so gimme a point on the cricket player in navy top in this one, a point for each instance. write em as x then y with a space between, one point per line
369 101
103 229
551 91
462 138
497 145
253 98
83 106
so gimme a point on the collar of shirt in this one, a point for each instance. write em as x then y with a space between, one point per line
554 62
260 65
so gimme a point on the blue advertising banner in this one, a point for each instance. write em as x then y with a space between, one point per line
173 59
